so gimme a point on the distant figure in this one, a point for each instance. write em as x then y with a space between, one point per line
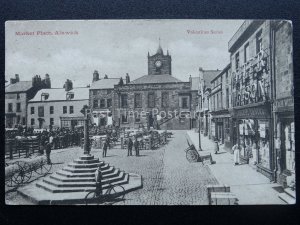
130 144
236 154
98 177
216 146
105 146
48 152
136 147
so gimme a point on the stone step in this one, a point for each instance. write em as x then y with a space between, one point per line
90 165
290 192
80 161
58 183
287 198
54 189
84 170
67 178
86 157
70 173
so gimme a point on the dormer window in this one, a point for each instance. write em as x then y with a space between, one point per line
45 96
70 95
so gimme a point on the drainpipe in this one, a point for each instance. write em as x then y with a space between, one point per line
273 97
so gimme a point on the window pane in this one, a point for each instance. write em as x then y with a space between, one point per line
137 100
32 110
95 103
165 99
109 103
64 109
41 111
71 109
102 103
151 100
124 101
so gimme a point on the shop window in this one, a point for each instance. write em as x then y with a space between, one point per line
71 109
137 100
32 122
237 60
51 121
124 98
18 107
184 103
125 117
65 110
165 99
95 103
10 107
41 111
137 117
258 42
151 100
51 109
31 110
288 145
246 53
102 103
65 123
109 102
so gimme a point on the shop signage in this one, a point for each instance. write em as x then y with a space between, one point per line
282 104
253 112
251 83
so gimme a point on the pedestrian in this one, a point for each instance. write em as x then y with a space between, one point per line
48 152
98 177
216 146
136 146
236 154
130 144
51 139
104 152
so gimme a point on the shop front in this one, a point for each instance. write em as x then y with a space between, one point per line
285 140
221 127
253 129
72 122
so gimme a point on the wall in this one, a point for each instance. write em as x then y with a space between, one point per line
173 90
58 111
12 98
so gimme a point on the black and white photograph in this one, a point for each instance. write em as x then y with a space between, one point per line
149 112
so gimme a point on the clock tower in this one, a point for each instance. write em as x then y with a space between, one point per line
159 64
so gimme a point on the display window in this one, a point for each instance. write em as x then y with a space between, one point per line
264 143
289 145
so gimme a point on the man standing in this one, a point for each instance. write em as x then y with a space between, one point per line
105 148
48 151
136 146
130 144
98 177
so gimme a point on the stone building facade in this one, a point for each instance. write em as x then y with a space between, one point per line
17 95
101 99
220 101
58 107
284 122
262 96
155 100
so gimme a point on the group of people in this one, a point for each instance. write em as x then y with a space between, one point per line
134 144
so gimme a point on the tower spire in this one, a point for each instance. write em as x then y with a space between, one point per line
159 50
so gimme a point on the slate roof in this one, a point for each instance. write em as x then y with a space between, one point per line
21 86
155 79
59 94
105 83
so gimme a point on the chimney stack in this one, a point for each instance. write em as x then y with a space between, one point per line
95 76
68 85
127 78
47 81
15 80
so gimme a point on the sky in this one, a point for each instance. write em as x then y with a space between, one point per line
113 47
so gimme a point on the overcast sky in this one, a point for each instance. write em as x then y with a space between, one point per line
114 47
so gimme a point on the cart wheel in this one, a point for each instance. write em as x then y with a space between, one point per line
42 168
18 177
27 172
116 192
192 155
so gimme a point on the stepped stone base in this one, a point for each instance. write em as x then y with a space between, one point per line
71 184
288 196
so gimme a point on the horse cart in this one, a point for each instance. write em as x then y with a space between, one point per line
193 155
20 172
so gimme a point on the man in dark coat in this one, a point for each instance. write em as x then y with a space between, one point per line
136 147
129 146
48 152
105 146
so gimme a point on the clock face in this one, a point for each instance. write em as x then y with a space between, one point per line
158 63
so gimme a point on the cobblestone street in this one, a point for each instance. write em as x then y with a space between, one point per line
168 178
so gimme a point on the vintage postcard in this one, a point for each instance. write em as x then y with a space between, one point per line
149 112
